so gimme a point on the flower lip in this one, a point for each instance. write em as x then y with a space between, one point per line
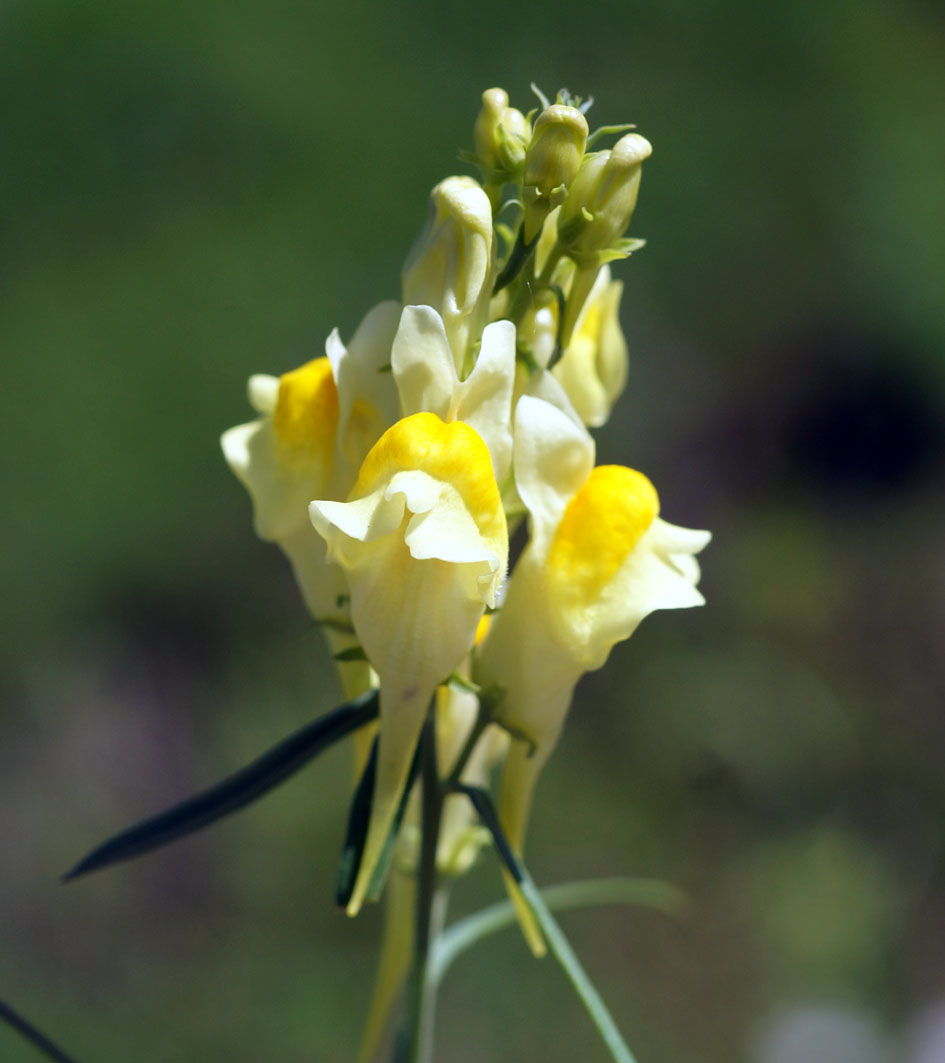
306 410
601 525
452 452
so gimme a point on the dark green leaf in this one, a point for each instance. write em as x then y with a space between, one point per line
35 1037
234 792
517 259
356 833
482 803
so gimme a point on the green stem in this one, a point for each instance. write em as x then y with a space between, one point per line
544 278
420 990
527 291
475 733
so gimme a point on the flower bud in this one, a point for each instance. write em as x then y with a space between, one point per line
501 133
449 265
602 197
556 148
494 102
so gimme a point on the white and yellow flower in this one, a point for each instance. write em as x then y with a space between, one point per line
593 368
316 424
424 545
600 559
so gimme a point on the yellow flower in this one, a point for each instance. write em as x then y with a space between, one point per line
285 456
424 544
600 559
593 368
316 424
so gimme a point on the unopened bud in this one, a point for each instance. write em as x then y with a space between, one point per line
449 265
602 197
500 134
494 102
556 148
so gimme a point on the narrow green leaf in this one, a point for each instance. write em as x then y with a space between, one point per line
649 893
234 792
554 935
520 254
35 1037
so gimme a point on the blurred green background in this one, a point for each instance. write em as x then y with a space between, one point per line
192 193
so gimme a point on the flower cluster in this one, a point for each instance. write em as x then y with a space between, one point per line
392 470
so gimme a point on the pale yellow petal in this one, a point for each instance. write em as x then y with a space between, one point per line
424 545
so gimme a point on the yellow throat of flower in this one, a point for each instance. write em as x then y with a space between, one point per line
306 415
602 524
450 452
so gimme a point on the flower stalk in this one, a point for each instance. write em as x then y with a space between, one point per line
431 903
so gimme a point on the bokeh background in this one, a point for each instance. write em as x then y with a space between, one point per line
191 193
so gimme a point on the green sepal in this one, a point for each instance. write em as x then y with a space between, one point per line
512 148
542 98
569 99
606 131
352 653
234 792
470 158
460 682
334 623
621 249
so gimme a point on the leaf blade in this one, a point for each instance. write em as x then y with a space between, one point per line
650 893
554 935
235 791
